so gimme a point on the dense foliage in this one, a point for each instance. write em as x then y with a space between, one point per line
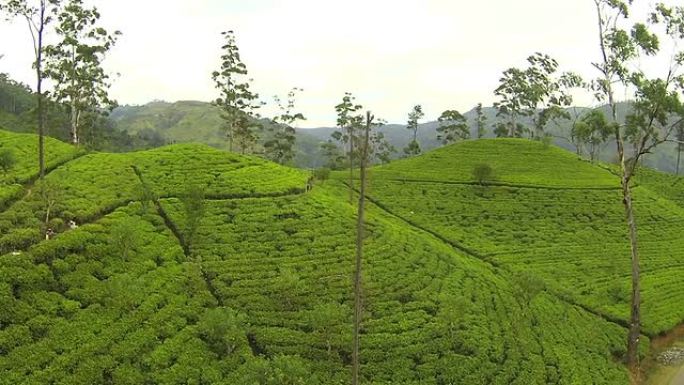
568 231
18 114
201 266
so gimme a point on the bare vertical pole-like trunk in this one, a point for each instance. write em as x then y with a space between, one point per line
230 137
351 164
74 123
74 105
635 299
511 129
679 156
39 89
358 307
635 306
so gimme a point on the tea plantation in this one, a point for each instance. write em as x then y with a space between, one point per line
522 280
569 230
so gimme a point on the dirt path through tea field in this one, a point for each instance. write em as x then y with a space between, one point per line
678 378
666 364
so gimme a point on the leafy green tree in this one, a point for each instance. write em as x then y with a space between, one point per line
528 286
349 122
280 147
7 160
333 154
452 127
124 239
381 149
75 63
224 331
413 148
38 14
680 144
15 97
592 130
328 321
483 174
535 93
480 121
236 100
656 103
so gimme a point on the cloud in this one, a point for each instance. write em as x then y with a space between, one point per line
443 54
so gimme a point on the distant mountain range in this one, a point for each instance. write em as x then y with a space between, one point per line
195 121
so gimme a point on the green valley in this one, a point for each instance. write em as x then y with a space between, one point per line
521 280
341 193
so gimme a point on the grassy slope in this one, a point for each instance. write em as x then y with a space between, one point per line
24 148
199 122
95 184
572 235
514 161
117 301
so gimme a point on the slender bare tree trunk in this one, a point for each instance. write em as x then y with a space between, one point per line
74 122
74 105
511 129
39 89
358 306
679 156
351 165
625 177
635 316
635 301
230 136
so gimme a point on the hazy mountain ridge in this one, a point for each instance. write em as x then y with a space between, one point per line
196 121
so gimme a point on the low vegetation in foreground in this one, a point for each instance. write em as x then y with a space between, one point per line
187 264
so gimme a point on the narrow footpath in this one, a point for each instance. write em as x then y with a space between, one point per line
678 377
666 364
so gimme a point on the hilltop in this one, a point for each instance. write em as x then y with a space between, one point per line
157 123
518 281
195 121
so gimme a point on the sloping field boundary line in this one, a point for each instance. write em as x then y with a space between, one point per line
475 254
179 237
27 183
501 184
171 225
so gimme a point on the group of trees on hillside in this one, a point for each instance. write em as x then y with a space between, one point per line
244 129
76 107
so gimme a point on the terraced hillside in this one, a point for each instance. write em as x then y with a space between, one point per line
23 148
261 291
547 213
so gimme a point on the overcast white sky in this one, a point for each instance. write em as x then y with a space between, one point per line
392 54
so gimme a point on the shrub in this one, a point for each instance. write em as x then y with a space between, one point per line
483 174
322 173
124 238
7 160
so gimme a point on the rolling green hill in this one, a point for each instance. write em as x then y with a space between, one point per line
518 282
194 121
561 220
197 122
